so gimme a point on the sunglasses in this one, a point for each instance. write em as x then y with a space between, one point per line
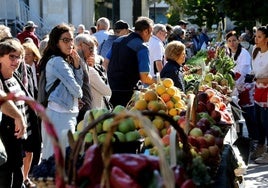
90 47
13 57
67 40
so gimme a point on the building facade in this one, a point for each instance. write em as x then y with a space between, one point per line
48 13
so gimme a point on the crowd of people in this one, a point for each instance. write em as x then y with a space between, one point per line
103 66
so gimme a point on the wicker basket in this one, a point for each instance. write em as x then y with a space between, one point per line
62 181
168 176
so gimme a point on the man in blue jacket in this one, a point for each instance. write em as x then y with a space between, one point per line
128 62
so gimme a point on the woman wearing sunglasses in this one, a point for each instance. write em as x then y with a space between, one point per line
61 62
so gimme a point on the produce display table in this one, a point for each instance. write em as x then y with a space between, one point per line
232 166
225 177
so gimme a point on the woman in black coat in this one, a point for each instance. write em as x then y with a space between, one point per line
175 55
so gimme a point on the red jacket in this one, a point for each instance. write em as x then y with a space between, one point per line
21 36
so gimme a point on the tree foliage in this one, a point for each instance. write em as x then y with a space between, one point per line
245 13
176 10
202 12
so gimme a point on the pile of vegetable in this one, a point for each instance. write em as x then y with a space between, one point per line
216 67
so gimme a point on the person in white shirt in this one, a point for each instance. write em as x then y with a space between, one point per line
103 26
244 88
156 48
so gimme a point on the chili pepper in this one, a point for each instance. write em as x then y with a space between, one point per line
92 166
134 164
119 178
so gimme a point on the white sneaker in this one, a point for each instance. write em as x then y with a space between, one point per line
263 159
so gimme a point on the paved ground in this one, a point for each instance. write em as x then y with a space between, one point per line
256 175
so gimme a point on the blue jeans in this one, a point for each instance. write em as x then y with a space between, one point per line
261 114
250 121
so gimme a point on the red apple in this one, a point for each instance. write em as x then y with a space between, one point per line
204 152
201 107
210 106
219 142
182 122
214 150
216 115
202 96
210 139
193 141
202 142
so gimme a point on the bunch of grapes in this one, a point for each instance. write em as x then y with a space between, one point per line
200 172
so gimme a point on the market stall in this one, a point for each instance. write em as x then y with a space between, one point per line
182 139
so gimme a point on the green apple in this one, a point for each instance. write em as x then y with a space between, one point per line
99 128
88 138
94 113
163 132
158 123
118 108
101 112
121 137
126 125
132 136
176 117
107 124
101 137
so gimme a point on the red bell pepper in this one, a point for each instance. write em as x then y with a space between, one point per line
119 178
92 166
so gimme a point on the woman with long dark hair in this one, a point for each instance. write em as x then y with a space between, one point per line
61 62
244 88
260 69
